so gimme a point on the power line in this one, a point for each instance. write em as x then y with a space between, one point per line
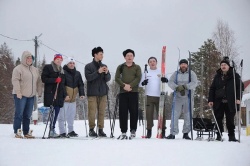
59 52
15 38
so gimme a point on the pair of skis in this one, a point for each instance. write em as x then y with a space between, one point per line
162 96
238 111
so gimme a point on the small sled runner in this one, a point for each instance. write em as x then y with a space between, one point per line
205 124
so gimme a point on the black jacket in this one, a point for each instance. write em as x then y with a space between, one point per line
96 82
228 82
49 75
73 83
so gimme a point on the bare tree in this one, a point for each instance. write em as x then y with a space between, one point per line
225 41
6 98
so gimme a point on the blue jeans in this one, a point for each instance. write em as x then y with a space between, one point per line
23 112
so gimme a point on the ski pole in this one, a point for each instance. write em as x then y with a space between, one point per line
51 110
84 116
190 101
145 105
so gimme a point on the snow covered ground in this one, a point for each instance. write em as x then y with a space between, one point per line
146 152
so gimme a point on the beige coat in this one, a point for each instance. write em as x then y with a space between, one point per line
26 79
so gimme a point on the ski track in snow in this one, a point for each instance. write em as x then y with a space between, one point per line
138 151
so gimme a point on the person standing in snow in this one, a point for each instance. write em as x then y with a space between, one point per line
128 76
54 90
74 85
222 97
153 81
26 83
181 86
97 75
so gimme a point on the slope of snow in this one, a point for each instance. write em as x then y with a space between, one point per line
146 152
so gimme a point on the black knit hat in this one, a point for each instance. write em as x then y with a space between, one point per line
96 50
183 61
127 51
225 60
152 58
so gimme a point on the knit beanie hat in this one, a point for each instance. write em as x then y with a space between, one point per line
183 61
58 56
225 60
70 59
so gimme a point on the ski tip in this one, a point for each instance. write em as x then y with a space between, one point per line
143 136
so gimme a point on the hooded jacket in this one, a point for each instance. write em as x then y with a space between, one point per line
26 79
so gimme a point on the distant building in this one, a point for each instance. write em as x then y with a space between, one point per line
246 87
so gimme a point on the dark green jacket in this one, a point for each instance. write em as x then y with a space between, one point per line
128 75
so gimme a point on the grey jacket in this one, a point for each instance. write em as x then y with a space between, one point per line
96 82
183 79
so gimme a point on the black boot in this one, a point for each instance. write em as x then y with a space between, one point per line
171 136
72 134
149 133
163 134
232 139
185 136
92 133
218 138
101 133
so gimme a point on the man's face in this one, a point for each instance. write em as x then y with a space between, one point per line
224 67
129 57
183 67
99 56
71 65
152 63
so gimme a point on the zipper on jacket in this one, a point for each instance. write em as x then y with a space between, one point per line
32 81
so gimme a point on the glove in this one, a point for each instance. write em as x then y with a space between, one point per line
180 88
182 93
58 79
145 82
164 80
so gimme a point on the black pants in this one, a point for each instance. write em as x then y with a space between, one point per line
219 115
128 102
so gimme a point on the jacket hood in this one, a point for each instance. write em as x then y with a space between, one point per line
25 55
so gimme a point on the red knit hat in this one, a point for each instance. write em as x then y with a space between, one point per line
58 56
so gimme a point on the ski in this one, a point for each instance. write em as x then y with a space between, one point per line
239 112
162 96
189 99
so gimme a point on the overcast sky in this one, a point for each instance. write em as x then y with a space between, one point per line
75 27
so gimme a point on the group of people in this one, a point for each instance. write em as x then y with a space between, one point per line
63 84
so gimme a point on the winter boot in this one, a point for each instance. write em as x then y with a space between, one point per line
53 134
92 133
232 139
185 136
149 133
163 134
123 136
101 133
19 134
29 135
132 134
63 135
72 134
218 138
171 136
